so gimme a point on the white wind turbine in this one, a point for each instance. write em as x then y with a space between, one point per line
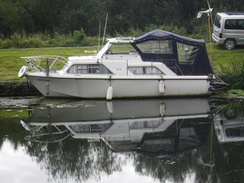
209 14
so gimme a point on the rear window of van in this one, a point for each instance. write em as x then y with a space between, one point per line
217 21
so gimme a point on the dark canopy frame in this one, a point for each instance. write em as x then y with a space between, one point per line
199 65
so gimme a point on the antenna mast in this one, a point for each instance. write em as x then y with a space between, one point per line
98 45
105 28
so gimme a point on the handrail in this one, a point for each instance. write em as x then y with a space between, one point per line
34 62
56 59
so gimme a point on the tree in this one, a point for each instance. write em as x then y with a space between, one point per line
65 16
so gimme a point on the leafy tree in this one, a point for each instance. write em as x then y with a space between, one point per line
67 16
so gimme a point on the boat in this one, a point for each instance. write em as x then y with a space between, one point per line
156 64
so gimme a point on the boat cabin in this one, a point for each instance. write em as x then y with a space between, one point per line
183 55
144 55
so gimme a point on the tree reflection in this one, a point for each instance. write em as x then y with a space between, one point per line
74 158
174 169
224 164
12 130
83 160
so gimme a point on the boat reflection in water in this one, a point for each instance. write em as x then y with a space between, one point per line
155 127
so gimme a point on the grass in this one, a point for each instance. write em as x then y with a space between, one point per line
237 92
224 58
10 61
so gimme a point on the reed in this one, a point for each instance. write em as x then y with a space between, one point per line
233 74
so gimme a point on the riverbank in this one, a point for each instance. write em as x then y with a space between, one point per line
17 88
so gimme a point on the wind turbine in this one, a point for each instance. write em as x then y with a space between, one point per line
209 14
208 11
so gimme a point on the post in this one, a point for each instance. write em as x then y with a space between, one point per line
210 39
209 31
47 67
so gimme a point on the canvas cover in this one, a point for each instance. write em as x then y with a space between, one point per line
183 55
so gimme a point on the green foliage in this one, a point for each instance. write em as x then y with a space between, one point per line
68 16
237 92
233 74
78 38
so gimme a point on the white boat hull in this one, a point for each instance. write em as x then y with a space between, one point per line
121 87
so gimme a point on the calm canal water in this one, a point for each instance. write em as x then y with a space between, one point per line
146 141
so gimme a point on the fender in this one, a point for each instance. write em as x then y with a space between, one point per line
22 71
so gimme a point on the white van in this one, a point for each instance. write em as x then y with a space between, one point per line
228 29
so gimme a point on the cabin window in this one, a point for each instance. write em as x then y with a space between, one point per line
121 49
88 69
186 53
156 47
145 70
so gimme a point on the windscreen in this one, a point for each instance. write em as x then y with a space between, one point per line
217 21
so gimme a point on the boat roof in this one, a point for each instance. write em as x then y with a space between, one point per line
121 40
155 34
161 34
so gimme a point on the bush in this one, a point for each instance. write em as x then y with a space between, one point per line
92 41
234 74
34 40
16 39
79 36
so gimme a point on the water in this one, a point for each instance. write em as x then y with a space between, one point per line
151 141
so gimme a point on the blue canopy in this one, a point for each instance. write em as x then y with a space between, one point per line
183 55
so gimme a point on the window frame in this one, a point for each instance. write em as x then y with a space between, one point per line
88 69
144 70
163 47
